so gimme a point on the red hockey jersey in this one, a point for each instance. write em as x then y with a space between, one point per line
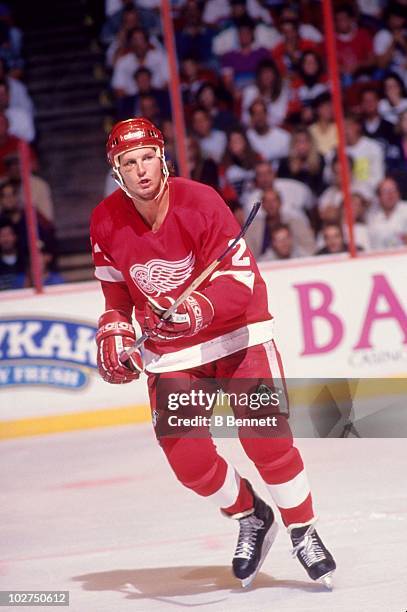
134 263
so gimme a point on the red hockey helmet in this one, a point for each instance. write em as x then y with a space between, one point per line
133 134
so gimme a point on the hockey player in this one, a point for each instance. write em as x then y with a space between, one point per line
150 239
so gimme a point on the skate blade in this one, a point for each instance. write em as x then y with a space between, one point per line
326 581
268 541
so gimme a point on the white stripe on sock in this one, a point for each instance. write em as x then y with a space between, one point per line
292 493
227 494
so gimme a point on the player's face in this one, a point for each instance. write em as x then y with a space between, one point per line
141 172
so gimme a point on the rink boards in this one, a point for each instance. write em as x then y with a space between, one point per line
334 318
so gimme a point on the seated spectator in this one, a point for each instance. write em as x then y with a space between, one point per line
324 130
49 275
212 142
222 11
207 97
150 109
194 37
334 240
130 106
265 35
282 245
310 80
303 163
18 93
258 236
244 61
354 45
193 76
394 101
12 259
21 123
388 225
150 15
374 126
271 143
367 154
114 21
40 189
201 169
288 53
296 198
332 196
141 53
307 31
238 162
336 214
12 212
390 43
118 46
271 89
360 209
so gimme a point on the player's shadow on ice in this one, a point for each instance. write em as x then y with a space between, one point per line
163 582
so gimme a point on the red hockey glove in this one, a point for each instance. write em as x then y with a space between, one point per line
195 313
114 335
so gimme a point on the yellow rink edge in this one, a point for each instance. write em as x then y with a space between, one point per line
300 397
74 421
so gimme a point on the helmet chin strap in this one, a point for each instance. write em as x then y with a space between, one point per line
119 179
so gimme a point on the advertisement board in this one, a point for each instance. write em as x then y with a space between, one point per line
335 318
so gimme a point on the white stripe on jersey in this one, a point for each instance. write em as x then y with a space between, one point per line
108 273
275 369
205 352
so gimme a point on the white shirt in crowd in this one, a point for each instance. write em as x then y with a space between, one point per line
372 8
333 196
360 236
19 96
392 113
276 110
126 66
214 145
296 198
368 162
21 124
273 145
228 40
265 36
388 231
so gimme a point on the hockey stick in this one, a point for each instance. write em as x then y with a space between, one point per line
199 279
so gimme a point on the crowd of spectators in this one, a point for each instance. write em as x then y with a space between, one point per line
259 117
17 122
259 114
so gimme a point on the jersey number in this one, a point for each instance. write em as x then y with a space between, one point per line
238 259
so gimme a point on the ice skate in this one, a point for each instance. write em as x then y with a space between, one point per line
312 554
257 533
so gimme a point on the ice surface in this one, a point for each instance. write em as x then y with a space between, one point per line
100 514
